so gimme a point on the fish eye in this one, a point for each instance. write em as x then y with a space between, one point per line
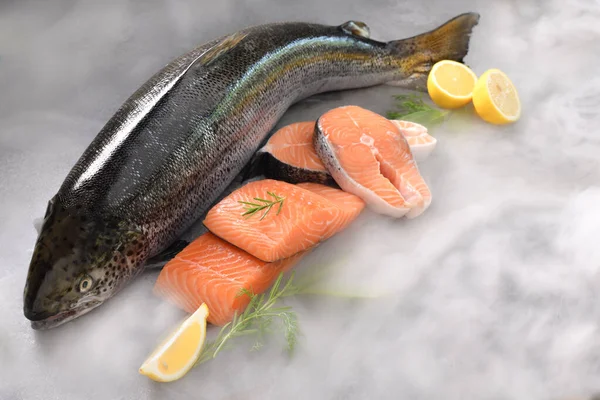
85 283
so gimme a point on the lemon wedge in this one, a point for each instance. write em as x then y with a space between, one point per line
177 354
496 99
450 84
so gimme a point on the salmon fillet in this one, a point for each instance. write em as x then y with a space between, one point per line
303 220
368 156
210 270
350 205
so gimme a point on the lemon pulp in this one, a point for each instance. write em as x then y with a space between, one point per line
177 354
450 84
496 99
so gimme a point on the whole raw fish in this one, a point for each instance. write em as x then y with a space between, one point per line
176 144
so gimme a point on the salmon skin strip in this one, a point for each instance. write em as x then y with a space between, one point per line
302 221
368 156
210 270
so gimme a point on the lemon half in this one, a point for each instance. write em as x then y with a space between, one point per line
496 99
177 354
450 84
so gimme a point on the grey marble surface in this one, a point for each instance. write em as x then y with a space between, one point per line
491 294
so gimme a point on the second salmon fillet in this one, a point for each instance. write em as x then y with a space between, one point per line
210 270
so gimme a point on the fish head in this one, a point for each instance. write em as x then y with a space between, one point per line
79 261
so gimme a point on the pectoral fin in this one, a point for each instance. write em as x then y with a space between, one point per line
159 260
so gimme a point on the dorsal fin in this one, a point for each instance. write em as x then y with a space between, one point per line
356 28
222 47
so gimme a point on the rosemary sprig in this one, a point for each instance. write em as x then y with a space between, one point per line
263 204
257 320
412 107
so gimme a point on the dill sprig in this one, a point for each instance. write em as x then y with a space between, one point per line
412 107
257 319
262 313
408 104
263 204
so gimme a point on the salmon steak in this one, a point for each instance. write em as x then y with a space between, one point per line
210 270
288 219
420 142
290 156
368 156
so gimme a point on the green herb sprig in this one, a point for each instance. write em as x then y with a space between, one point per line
262 315
263 204
412 107
258 319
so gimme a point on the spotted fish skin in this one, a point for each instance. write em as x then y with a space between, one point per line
174 146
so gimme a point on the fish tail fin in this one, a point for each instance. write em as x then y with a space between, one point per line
418 54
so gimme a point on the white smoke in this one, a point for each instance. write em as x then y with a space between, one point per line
491 294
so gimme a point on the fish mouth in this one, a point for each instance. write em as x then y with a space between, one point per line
64 316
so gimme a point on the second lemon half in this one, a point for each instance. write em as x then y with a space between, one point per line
450 84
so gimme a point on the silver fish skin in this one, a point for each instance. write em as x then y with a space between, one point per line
176 144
